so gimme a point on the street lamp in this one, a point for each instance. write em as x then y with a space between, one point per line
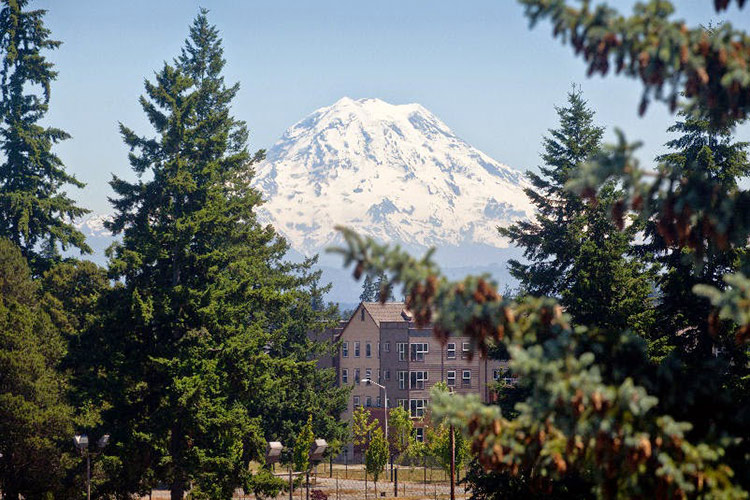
385 393
387 443
81 442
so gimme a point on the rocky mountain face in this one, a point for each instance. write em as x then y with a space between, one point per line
394 172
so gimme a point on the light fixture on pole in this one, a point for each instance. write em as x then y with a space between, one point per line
81 442
385 394
369 381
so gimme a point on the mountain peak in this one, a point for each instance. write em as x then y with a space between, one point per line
393 171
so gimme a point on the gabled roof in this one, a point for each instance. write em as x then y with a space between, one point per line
390 311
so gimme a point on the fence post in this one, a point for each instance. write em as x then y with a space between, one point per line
291 497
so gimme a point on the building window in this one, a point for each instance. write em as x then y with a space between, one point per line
356 349
387 347
345 349
450 379
401 348
451 351
417 379
419 434
402 380
362 314
344 376
368 350
377 402
419 350
403 403
368 401
378 350
368 375
495 374
356 376
387 374
466 377
465 349
416 407
356 401
379 376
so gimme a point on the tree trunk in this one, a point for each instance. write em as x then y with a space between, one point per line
179 483
177 490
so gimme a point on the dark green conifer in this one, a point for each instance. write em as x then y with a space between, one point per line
574 250
212 350
35 213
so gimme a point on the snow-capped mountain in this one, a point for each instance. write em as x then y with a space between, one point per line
394 172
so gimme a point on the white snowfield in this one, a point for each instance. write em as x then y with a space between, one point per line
394 172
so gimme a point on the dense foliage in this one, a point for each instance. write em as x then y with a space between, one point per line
35 417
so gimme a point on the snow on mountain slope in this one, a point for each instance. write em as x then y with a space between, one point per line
394 172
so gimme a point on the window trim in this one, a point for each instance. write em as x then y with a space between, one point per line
344 375
357 346
450 353
415 381
356 401
419 410
466 380
345 350
368 349
448 378
418 355
401 348
402 379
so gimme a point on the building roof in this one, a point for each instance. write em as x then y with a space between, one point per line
390 311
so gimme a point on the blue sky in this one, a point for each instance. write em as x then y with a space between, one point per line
475 64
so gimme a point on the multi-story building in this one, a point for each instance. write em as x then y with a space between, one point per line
382 343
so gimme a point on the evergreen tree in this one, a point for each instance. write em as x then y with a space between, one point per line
36 422
551 240
369 290
383 289
576 252
683 317
34 211
210 314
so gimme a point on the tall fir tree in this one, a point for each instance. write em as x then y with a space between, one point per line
35 213
575 251
212 346
550 241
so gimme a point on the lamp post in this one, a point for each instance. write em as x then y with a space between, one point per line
388 444
81 442
385 394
